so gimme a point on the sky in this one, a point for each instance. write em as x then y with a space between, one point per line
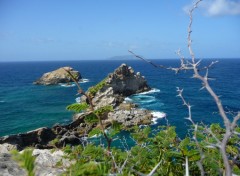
38 30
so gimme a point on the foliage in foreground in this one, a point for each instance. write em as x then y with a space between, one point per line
163 148
25 160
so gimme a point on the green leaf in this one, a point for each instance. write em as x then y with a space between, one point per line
95 131
91 118
76 107
94 89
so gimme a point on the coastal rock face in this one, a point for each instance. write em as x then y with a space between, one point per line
125 82
121 83
39 137
58 76
129 115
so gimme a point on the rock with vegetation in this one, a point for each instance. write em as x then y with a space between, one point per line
10 167
58 76
116 86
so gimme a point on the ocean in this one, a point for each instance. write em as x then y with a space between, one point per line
24 106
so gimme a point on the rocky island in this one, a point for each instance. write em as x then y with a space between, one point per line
112 91
58 76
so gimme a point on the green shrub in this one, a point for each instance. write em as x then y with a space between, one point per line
94 89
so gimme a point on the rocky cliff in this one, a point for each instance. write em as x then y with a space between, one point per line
116 86
58 76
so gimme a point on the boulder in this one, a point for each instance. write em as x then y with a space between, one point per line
58 76
49 163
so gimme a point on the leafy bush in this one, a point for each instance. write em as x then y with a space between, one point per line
164 147
76 107
94 89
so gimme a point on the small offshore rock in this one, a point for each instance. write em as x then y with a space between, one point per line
58 76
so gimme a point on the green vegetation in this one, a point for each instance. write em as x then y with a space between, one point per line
94 89
163 147
25 160
77 107
54 141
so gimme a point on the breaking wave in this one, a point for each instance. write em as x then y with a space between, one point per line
152 91
157 115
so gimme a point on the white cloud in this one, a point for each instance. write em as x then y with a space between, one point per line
219 7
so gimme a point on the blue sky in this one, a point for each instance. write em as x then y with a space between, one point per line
99 29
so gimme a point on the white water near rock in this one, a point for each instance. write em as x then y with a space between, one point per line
157 115
72 84
152 91
67 85
148 100
78 100
84 80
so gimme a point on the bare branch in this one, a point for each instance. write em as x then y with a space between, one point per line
154 169
145 60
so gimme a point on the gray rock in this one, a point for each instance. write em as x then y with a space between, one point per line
104 98
58 76
6 148
125 82
49 163
9 167
130 116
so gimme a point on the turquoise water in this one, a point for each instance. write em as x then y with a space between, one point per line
24 106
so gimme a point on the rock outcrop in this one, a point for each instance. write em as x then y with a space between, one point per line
129 115
58 76
125 82
121 83
39 137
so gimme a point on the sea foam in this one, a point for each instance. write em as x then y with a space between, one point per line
84 80
157 115
152 91
67 85
78 100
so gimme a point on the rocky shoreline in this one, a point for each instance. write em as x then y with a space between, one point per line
112 91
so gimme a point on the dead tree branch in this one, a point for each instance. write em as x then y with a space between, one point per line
195 67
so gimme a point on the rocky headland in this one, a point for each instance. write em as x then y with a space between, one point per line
112 91
58 76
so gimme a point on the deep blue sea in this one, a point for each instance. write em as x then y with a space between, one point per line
24 106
